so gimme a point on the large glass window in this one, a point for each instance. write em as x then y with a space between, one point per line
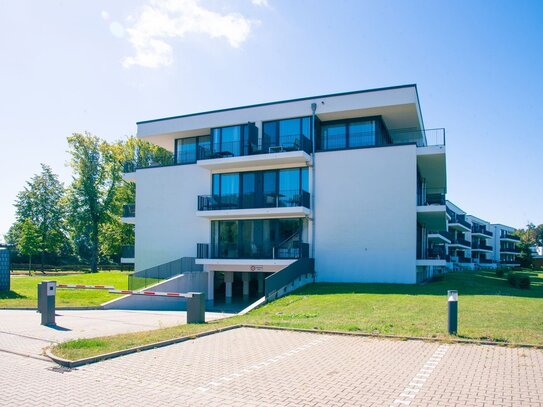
229 191
289 187
362 134
353 133
288 134
261 189
186 150
257 238
334 136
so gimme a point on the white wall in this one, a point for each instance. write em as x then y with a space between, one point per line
167 227
365 215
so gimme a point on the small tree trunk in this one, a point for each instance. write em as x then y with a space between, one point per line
29 264
94 256
42 261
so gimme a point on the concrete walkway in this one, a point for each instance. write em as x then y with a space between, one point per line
22 334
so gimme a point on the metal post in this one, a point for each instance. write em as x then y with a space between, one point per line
46 301
452 320
196 309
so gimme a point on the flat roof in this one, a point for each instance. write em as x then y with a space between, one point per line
286 101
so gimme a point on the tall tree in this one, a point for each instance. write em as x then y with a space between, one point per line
97 175
30 241
42 203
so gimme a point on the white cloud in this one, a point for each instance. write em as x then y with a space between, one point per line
261 3
160 21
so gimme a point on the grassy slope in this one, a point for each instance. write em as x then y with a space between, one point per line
488 309
24 289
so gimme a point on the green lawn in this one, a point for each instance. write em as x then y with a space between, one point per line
24 289
488 309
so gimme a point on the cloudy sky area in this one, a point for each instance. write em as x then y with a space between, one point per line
100 66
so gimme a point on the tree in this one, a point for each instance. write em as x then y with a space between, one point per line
138 154
42 203
30 241
97 174
529 237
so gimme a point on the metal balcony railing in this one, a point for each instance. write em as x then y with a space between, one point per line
510 236
481 230
129 210
480 246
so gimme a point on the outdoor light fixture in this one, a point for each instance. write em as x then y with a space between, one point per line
452 321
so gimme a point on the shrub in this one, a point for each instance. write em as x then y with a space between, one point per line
518 281
500 272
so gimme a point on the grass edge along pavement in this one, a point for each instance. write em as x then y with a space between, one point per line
23 292
478 291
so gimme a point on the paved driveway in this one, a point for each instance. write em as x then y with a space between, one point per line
21 332
251 367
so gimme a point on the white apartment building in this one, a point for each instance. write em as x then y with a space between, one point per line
352 180
471 242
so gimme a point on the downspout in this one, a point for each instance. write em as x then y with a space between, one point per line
313 141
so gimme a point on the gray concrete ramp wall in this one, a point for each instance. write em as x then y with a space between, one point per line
183 283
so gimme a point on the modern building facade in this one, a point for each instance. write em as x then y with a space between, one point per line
473 243
339 178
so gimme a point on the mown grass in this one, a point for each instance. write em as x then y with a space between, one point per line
24 292
489 309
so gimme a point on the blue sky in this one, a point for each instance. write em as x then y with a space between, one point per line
100 66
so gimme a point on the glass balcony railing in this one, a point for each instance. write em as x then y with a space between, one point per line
294 249
481 230
283 199
423 138
510 237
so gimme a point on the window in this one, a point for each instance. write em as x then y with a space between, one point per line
288 134
188 150
353 133
261 189
334 136
257 238
362 134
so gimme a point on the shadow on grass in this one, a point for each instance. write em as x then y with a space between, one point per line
466 282
11 295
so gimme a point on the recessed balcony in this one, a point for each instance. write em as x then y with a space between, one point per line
284 204
129 214
293 150
128 255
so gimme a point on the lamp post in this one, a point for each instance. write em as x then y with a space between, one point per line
452 320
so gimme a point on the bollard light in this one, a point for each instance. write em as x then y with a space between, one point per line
452 320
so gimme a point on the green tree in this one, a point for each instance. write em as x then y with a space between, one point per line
135 153
97 175
42 203
30 241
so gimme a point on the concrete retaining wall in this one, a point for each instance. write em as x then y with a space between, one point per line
183 283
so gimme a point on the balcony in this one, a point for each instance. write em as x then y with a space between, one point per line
293 203
440 237
510 237
431 210
481 247
460 242
237 154
129 172
458 222
128 254
509 250
129 213
287 250
422 138
480 231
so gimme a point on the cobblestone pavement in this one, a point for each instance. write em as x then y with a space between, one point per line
258 367
21 332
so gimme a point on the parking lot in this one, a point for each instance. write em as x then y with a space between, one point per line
260 367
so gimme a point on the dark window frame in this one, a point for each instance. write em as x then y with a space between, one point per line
197 139
380 131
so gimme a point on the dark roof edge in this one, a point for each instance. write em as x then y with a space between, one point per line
284 101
